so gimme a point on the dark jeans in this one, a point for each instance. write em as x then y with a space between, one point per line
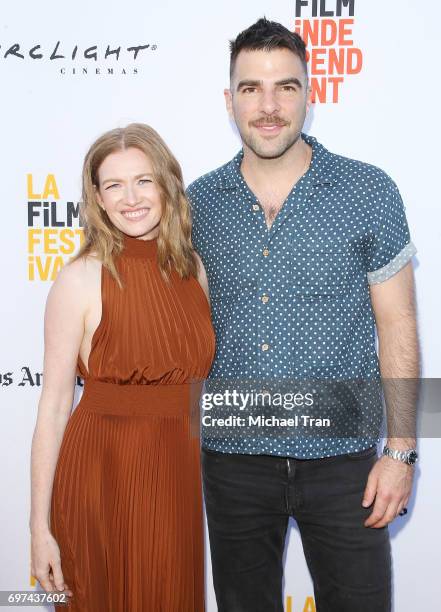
249 499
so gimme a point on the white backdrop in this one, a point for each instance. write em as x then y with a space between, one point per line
52 109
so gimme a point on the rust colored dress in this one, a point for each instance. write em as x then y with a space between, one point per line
127 505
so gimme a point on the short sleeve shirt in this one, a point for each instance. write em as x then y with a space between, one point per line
293 301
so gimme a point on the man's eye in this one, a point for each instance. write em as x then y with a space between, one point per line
288 88
249 90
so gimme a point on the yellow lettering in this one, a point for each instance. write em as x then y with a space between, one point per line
68 238
58 264
80 233
309 605
34 238
43 271
67 243
53 241
31 268
47 267
289 604
31 194
50 188
50 238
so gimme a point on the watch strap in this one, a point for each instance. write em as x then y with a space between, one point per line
409 456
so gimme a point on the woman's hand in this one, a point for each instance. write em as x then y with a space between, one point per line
46 563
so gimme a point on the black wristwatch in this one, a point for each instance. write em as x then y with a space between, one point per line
409 456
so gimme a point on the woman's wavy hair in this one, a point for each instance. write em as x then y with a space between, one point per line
175 250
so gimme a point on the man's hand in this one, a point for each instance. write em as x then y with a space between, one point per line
390 485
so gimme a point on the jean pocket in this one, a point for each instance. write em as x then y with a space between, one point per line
367 453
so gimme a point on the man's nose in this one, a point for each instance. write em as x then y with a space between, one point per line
269 102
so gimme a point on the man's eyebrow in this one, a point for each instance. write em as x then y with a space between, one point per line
255 83
117 180
248 83
290 81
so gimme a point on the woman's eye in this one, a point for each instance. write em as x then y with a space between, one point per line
142 181
113 185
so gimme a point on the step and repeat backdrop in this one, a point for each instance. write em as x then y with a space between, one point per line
70 72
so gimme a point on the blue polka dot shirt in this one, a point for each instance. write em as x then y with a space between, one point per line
292 301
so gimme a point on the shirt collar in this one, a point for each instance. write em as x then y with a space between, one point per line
319 172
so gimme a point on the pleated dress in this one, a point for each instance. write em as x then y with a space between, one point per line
127 504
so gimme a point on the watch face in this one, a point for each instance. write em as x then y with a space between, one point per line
412 457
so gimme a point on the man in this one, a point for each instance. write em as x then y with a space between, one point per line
305 252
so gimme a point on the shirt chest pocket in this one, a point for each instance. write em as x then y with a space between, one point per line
320 273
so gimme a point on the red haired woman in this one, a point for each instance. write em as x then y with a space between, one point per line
116 516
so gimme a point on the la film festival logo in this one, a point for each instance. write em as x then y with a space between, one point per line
54 228
327 26
76 59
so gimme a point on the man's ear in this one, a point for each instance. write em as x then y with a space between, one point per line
229 102
308 95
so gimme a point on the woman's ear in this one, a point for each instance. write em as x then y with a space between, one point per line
99 198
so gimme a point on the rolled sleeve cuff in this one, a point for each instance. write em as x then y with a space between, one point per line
394 266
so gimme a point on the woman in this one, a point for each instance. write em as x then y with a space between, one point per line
116 513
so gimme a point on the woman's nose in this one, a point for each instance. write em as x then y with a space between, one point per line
130 195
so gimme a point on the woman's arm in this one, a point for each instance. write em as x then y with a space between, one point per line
202 276
63 333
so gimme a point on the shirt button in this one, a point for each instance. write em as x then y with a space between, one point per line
265 298
265 252
265 346
256 207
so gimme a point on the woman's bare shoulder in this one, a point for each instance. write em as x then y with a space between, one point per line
80 273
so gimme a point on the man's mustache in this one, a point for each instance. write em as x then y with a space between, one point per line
274 120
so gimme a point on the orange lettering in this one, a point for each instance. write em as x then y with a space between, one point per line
336 61
355 61
318 89
328 32
317 60
345 30
335 82
310 31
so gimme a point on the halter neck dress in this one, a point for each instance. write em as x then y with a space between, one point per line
126 504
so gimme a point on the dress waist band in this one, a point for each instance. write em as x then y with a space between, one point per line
139 400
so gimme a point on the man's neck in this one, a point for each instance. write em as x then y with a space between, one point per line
280 171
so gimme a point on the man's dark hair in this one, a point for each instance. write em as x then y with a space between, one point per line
265 35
